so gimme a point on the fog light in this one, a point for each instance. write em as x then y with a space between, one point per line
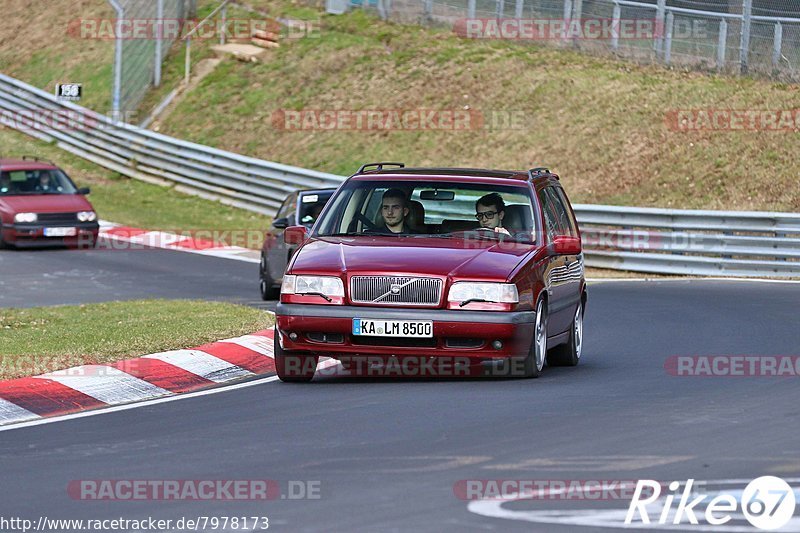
293 336
497 345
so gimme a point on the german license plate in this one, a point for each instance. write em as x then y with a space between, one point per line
393 328
60 232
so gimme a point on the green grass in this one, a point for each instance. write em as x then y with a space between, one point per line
44 339
597 121
135 203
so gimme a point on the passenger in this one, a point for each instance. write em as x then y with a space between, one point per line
490 212
394 209
5 183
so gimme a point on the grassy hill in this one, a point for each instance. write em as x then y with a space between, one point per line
599 122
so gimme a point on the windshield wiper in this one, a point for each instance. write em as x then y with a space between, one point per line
325 296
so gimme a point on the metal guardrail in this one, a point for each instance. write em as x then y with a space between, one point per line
667 241
231 178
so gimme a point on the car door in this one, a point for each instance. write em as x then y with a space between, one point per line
555 290
569 251
278 252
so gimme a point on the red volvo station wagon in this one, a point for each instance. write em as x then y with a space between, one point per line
482 267
41 206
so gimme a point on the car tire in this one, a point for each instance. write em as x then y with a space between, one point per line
266 283
292 367
569 354
534 361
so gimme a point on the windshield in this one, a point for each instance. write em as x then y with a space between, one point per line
430 208
37 181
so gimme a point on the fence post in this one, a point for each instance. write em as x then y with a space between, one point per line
116 96
471 9
518 9
159 41
744 44
615 26
722 43
577 13
224 30
567 19
500 9
661 8
668 41
187 67
776 44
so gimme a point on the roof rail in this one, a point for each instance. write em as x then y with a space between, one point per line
379 166
34 158
540 172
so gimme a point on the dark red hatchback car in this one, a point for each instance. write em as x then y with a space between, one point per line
480 267
40 205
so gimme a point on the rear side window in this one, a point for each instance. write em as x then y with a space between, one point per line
549 213
566 222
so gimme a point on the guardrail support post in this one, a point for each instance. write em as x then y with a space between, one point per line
668 41
744 43
776 44
722 43
615 22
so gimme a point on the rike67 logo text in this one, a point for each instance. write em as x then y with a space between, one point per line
767 503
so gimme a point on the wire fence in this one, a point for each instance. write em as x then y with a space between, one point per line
758 37
137 61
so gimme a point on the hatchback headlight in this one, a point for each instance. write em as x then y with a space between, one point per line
87 216
25 218
465 291
329 286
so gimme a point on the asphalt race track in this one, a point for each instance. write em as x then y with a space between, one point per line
387 454
67 277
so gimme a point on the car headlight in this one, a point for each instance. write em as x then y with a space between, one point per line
327 286
468 291
25 218
87 216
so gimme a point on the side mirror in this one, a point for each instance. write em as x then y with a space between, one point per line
84 190
280 223
564 245
295 234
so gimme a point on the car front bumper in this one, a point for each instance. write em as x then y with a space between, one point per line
33 234
327 330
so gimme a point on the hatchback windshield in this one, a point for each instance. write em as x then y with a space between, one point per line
430 208
38 181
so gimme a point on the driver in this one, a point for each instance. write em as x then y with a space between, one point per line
490 210
44 182
394 209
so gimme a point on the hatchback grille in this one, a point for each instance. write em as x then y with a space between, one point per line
395 290
58 217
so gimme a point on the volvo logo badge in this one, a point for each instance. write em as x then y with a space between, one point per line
395 288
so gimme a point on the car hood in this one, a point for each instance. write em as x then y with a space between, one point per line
45 203
456 258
